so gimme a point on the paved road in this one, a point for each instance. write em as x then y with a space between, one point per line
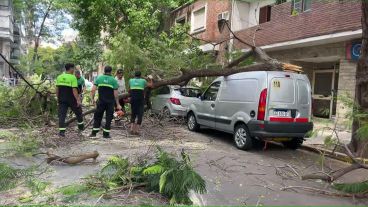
234 177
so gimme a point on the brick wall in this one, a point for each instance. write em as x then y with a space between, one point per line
214 7
325 17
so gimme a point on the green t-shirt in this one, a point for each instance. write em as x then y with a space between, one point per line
65 83
67 80
107 81
81 81
81 84
106 85
137 84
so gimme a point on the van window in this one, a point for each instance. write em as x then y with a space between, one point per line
282 90
303 92
211 93
240 90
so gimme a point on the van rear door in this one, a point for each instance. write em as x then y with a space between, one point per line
289 98
281 99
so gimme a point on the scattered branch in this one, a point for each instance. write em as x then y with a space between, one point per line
71 160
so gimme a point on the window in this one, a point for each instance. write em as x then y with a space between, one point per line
264 14
180 21
199 20
189 92
211 93
301 5
163 90
280 1
4 3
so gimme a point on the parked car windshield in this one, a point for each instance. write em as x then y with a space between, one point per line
189 92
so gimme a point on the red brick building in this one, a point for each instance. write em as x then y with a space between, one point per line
321 36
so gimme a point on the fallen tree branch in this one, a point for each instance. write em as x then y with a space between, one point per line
324 192
71 160
339 173
187 75
21 76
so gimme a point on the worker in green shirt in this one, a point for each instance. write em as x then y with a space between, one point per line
81 83
67 95
136 91
107 97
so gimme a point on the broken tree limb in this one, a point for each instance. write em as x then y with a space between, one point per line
323 192
187 75
356 164
236 62
71 160
268 64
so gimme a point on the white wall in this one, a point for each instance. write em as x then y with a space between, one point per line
254 11
246 13
240 15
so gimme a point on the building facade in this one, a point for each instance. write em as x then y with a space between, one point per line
324 37
10 40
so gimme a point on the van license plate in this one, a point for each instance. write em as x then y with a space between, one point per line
281 113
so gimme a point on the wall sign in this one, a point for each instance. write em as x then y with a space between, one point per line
353 51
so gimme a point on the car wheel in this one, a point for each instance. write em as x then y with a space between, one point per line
166 112
294 143
242 137
192 123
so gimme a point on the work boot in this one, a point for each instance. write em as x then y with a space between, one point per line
94 132
106 134
61 133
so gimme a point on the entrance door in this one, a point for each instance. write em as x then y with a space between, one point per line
323 93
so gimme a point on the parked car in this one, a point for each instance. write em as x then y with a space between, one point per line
174 100
256 106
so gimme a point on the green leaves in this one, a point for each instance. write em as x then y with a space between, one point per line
7 177
139 19
163 179
353 188
362 132
169 176
155 169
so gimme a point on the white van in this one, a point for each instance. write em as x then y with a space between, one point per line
255 107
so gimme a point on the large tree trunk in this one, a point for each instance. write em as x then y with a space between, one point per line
358 145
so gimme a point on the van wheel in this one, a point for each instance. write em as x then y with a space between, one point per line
242 137
294 143
192 123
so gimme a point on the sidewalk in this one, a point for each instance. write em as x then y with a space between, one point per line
323 129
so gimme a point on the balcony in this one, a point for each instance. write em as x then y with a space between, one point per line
6 27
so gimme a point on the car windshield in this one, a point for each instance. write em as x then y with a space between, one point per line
189 92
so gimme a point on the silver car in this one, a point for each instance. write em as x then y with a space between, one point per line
174 100
255 107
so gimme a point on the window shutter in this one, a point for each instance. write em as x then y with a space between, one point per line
264 14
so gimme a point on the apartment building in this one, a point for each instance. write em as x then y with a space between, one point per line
324 37
10 39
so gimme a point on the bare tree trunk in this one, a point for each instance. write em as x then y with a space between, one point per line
39 34
357 144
